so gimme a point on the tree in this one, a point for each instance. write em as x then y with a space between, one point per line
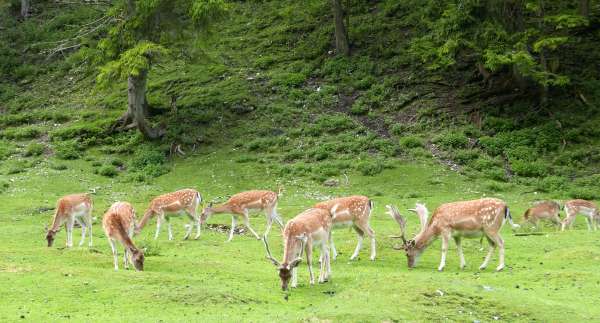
584 8
132 47
25 7
341 33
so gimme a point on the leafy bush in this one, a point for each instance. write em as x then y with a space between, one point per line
331 124
4 185
6 149
465 156
293 155
108 171
452 140
411 142
149 160
584 193
289 79
34 149
530 168
399 129
22 133
69 149
552 184
369 168
495 173
359 108
56 166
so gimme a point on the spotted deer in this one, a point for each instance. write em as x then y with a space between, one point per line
583 207
118 224
543 210
352 210
70 209
459 219
180 202
240 204
309 229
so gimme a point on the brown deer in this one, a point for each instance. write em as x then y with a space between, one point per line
459 219
352 210
118 224
308 229
583 207
240 204
70 209
180 202
543 210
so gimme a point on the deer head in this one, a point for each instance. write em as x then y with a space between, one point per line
285 268
137 258
50 236
409 246
206 212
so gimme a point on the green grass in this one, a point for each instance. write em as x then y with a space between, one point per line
551 277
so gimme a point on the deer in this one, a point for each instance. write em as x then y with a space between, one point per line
459 219
240 204
543 210
307 230
118 224
180 202
352 210
583 207
70 209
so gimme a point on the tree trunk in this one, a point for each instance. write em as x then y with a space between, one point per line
584 8
137 105
25 6
341 36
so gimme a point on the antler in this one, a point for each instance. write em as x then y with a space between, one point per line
422 213
269 256
395 214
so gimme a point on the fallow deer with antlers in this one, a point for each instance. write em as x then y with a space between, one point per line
459 219
240 204
352 210
543 210
70 209
309 229
180 202
118 224
588 209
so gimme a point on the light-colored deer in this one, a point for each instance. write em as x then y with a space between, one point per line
118 224
583 207
309 229
543 210
180 202
240 204
352 210
459 219
70 209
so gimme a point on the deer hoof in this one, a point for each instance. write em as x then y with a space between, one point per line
499 268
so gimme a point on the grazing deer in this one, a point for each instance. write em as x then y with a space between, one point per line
543 210
583 207
459 219
118 224
240 204
70 209
308 229
355 211
179 202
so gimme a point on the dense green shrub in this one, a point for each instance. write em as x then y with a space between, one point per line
411 142
451 140
465 156
34 149
332 124
149 160
399 129
28 132
584 193
530 168
4 185
552 184
370 168
57 166
6 149
69 149
108 171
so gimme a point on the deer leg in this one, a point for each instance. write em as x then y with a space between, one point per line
333 250
193 212
159 220
169 227
308 250
461 255
88 220
445 237
294 283
371 235
491 248
125 259
360 237
189 227
567 221
69 227
500 244
83 230
324 268
113 247
233 223
277 218
269 214
247 224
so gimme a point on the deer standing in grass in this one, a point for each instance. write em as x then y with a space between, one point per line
118 224
459 219
583 207
309 229
240 204
543 210
70 209
180 202
352 210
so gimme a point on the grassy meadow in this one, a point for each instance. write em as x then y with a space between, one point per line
209 279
